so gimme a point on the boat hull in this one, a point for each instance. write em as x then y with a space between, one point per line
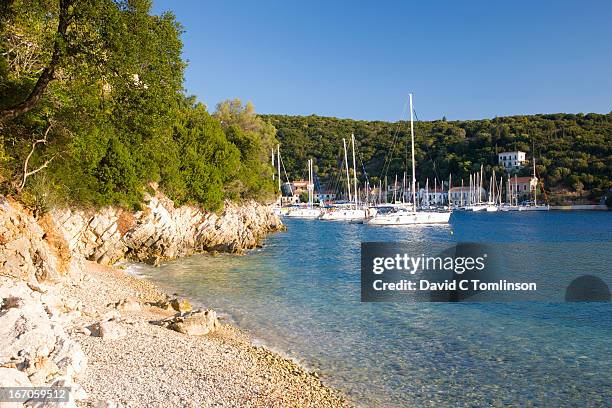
344 215
411 218
309 213
534 208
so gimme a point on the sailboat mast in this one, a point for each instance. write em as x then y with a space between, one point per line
395 190
515 190
404 188
310 186
450 181
435 190
348 179
278 164
480 185
535 190
355 170
412 150
386 189
508 192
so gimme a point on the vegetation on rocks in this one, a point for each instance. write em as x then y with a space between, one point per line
92 108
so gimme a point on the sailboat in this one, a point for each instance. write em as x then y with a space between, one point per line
534 206
491 205
404 216
309 211
354 211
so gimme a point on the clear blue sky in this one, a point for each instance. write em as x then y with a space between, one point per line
461 59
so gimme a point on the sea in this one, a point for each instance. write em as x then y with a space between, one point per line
300 295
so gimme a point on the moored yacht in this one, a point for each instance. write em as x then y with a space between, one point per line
352 211
404 216
308 211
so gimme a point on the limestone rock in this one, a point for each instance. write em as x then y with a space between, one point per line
196 323
31 343
111 315
163 231
11 377
108 330
180 305
129 304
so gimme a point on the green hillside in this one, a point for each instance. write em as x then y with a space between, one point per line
573 151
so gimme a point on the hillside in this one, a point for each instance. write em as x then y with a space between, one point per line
573 151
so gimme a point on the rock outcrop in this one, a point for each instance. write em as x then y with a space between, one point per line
196 323
28 252
35 350
162 231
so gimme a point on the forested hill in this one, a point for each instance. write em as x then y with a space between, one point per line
573 151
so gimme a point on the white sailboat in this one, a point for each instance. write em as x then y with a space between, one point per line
405 216
534 206
491 205
309 211
354 211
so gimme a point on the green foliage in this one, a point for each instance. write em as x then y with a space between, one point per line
203 161
254 139
116 175
304 197
118 113
573 151
43 194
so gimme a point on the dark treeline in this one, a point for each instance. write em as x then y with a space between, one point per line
92 109
573 151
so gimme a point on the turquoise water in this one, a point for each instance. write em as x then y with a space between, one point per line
300 295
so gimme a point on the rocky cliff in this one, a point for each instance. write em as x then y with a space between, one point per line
162 231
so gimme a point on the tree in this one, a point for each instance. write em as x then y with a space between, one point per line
255 139
64 19
109 75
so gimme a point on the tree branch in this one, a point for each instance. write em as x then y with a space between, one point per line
27 173
48 72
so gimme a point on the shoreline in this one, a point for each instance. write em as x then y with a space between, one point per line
235 371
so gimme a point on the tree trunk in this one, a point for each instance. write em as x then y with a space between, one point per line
47 74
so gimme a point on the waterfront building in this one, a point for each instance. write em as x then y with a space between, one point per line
522 187
466 195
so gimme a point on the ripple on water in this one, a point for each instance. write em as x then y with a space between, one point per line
300 295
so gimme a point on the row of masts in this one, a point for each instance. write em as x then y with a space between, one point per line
409 188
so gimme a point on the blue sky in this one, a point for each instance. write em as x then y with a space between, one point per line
461 59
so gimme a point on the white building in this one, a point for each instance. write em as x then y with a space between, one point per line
511 160
432 197
465 195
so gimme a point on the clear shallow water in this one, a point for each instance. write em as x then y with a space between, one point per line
301 295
